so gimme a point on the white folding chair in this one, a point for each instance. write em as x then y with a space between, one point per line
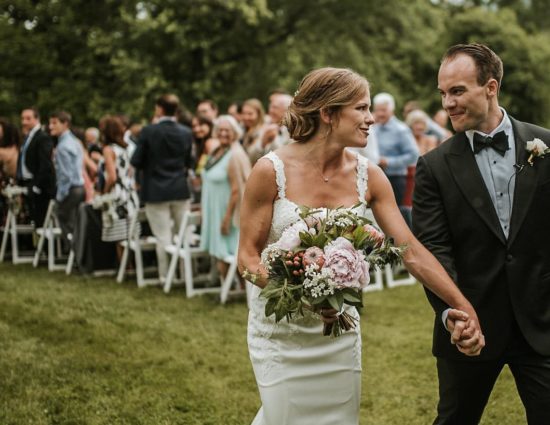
50 232
376 281
185 249
391 276
390 273
232 280
11 228
137 244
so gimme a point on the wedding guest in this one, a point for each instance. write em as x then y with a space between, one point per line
442 119
184 116
370 151
417 121
91 137
235 109
276 134
10 140
203 142
115 220
432 127
253 121
224 178
89 169
208 109
163 155
203 145
69 162
397 148
35 168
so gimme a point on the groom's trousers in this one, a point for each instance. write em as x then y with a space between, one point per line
465 387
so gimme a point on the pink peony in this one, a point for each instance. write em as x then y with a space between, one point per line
314 255
348 266
290 238
377 235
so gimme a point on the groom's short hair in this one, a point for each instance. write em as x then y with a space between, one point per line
488 64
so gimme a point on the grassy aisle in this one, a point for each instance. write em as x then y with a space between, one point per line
88 351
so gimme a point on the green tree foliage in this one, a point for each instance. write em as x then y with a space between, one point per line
106 56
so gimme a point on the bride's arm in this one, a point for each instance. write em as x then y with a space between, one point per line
256 213
418 260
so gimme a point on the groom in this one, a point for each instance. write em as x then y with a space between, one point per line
483 209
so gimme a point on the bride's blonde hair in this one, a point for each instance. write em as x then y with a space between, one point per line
327 89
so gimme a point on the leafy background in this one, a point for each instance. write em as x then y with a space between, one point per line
118 55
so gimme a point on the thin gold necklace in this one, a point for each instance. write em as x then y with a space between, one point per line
325 178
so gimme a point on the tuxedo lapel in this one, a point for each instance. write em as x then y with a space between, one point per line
525 179
466 173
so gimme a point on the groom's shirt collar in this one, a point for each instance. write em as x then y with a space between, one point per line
505 125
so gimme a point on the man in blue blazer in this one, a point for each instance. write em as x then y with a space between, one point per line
163 157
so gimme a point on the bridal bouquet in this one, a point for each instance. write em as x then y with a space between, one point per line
323 261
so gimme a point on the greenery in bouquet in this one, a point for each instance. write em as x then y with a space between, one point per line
322 261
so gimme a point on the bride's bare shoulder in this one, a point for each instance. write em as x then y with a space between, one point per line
262 180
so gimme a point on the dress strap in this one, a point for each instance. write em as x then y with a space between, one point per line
280 177
362 177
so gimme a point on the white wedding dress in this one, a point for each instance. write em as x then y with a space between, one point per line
304 378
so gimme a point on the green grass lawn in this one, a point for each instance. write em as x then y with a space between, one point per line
77 350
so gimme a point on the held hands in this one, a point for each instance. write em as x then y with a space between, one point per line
465 332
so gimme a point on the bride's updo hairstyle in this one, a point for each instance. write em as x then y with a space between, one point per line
327 89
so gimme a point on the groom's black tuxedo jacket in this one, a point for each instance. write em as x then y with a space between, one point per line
506 280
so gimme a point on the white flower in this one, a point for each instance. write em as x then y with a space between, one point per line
269 254
290 238
537 148
318 283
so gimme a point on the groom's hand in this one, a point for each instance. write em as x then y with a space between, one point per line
465 333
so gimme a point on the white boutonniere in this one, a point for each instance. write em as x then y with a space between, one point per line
537 148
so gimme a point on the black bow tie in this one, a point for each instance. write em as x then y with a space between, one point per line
498 142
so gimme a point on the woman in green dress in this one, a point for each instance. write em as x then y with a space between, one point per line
223 180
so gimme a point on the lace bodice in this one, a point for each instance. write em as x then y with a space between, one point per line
285 211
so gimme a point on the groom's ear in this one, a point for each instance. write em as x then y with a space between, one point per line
492 87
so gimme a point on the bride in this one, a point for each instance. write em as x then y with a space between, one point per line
304 377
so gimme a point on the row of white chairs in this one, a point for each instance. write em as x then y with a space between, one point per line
183 252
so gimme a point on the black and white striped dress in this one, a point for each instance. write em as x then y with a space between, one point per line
115 228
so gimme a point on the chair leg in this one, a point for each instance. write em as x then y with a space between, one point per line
5 237
70 261
14 244
39 248
122 267
188 273
377 283
171 270
139 267
229 278
51 250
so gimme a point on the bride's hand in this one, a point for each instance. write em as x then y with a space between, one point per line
465 331
328 315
